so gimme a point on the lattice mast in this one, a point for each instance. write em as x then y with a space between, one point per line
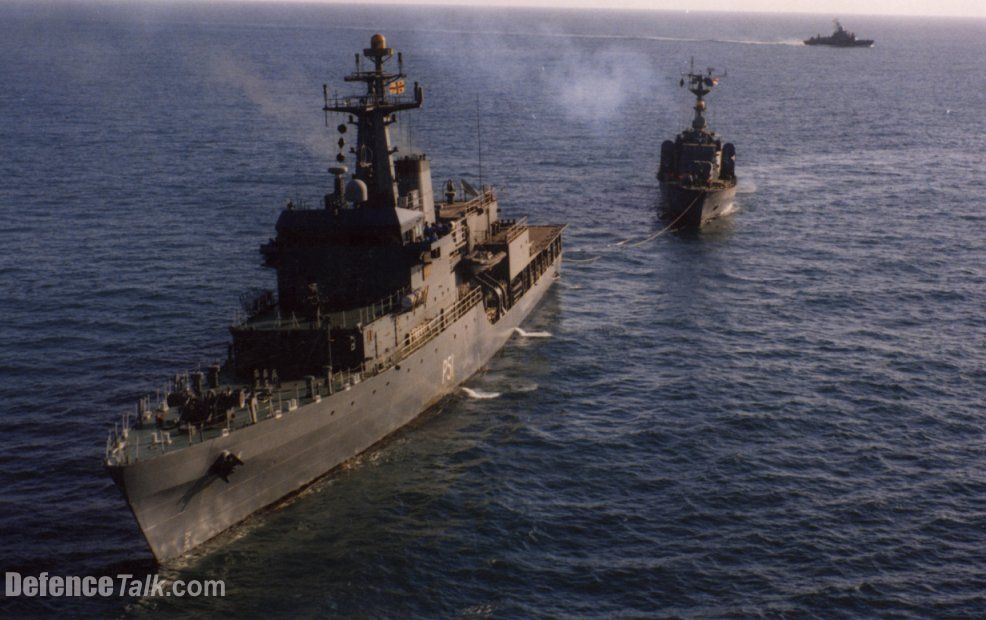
372 114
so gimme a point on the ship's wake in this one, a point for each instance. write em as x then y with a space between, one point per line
523 389
526 334
792 42
746 185
591 36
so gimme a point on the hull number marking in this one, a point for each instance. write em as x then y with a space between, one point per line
448 369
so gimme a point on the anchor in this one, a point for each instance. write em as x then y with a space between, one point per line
225 464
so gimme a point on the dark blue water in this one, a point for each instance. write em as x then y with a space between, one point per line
782 415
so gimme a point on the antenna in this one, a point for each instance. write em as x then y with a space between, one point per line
325 110
479 144
700 84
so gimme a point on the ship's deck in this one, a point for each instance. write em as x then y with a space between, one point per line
542 236
342 319
146 440
459 209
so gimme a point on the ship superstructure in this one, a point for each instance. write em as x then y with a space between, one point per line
697 172
839 38
386 300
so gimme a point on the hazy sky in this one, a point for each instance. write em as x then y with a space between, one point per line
976 8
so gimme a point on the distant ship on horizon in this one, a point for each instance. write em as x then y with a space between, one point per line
840 38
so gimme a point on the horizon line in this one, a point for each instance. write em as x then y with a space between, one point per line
576 5
571 5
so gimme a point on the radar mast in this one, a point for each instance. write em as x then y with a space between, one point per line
372 114
700 84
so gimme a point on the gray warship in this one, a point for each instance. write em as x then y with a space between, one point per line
840 38
386 301
697 172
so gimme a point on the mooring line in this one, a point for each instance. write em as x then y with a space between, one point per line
669 226
660 232
663 230
584 261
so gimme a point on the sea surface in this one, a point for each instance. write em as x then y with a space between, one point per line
782 415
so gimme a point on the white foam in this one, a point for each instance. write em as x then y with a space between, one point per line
523 389
525 334
479 394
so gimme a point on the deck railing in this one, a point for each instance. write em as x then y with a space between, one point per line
124 447
515 229
485 198
423 334
341 318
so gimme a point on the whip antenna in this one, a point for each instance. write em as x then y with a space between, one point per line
479 144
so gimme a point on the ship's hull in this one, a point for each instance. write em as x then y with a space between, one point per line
860 43
687 207
179 504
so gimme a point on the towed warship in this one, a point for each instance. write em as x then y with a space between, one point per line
840 38
697 172
386 301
